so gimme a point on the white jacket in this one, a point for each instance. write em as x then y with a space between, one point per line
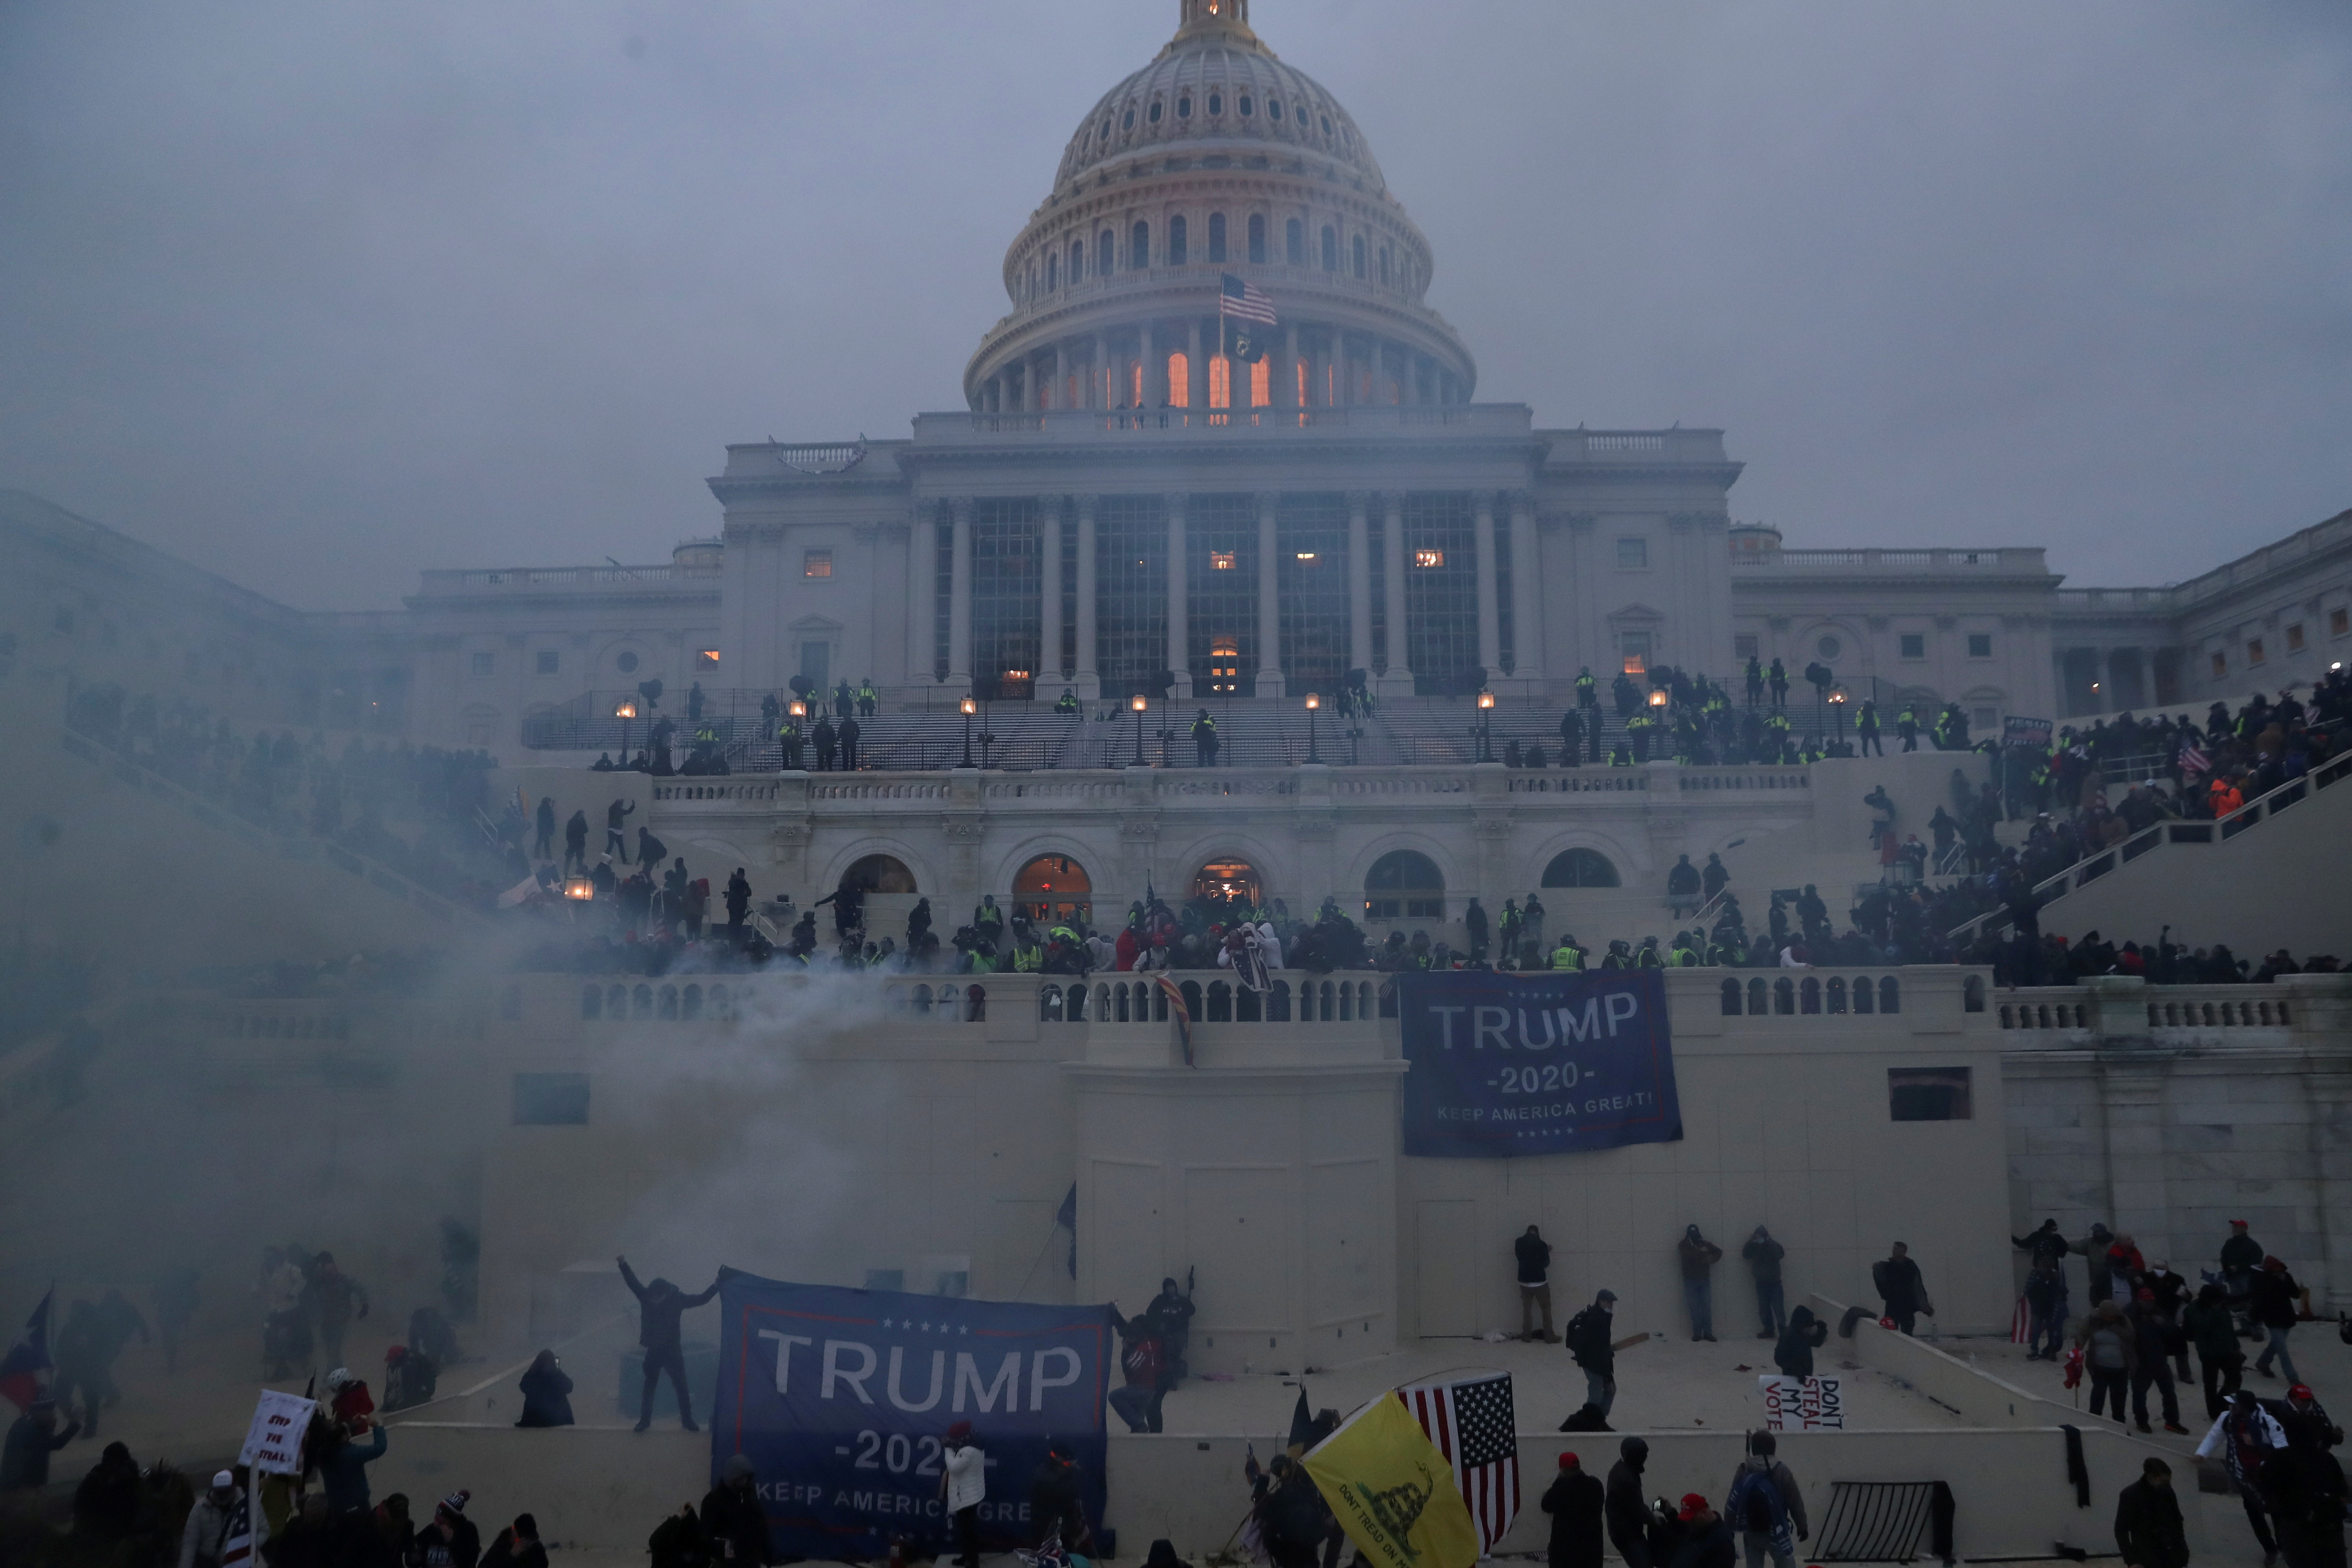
967 1476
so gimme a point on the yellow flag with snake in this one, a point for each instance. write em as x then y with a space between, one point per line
1392 1490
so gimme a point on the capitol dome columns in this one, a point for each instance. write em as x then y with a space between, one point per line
1526 582
1088 678
1270 681
1359 581
1397 680
1049 596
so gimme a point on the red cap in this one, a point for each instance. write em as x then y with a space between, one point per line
2274 1265
1568 1461
2300 1391
1693 1506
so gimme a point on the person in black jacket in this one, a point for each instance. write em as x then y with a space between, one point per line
1627 1513
1764 1255
2275 1294
32 1438
677 1541
1055 1505
2305 1487
546 1392
1533 1255
2149 1530
1804 1335
1589 1341
1897 1276
733 1527
659 1306
1576 1502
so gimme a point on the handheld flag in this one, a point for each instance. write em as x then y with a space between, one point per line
1302 1425
236 1536
28 1358
1474 1426
1393 1491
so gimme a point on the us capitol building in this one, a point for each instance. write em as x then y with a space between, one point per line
1125 493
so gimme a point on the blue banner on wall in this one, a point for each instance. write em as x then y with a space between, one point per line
842 1400
1557 1063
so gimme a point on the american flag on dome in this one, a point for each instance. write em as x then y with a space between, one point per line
1473 1424
1244 301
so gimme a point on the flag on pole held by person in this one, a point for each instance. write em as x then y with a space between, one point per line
2193 761
1241 309
236 1537
1181 1013
20 1371
1393 1491
1474 1425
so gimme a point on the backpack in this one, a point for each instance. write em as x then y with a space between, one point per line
1586 1336
1761 1508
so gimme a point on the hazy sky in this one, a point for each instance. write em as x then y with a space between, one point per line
320 294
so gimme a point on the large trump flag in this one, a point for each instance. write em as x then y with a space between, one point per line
842 1400
1393 1492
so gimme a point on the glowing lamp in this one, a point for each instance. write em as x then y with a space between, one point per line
625 710
1313 701
969 708
1658 697
579 888
1139 702
1486 700
799 709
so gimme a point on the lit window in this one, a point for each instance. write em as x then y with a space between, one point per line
2295 637
2221 665
1429 558
1180 382
1221 560
706 659
1635 647
1261 383
2253 651
483 663
1307 555
1634 552
1915 645
550 661
816 564
1220 382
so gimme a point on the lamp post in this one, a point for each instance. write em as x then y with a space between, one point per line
1837 706
1485 726
1139 702
798 710
625 710
579 890
1314 701
969 708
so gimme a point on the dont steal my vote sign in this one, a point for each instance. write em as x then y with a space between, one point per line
842 1400
1502 1065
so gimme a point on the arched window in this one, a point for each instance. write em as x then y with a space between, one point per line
1331 248
1277 1003
1103 252
1756 1003
1784 997
975 1005
1731 998
1127 120
641 1004
1361 269
1274 109
1246 105
1180 382
1184 107
1862 995
1051 888
1139 245
690 1004
1078 260
1221 1003
1404 884
1890 995
1581 869
1191 991
1811 994
1176 241
1257 238
1384 265
670 1003
1152 114
1053 272
1216 236
1049 1004
1294 243
1217 103
1836 995
1228 884
880 874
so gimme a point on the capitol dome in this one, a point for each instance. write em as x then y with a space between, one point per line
1217 162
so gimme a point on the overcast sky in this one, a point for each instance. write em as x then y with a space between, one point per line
320 294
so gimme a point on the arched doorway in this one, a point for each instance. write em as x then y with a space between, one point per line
1227 885
1404 884
1053 888
880 874
1581 869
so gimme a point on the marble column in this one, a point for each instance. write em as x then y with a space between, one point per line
1526 596
1287 395
1397 682
1049 597
959 596
1089 679
1196 371
1270 682
1180 629
1058 394
1098 380
1490 615
1360 582
923 595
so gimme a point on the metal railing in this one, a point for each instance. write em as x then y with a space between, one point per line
2092 866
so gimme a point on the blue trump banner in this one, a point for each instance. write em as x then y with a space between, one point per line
842 1400
1547 1064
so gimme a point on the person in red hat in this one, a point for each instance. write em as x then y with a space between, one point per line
963 1483
1706 1539
1574 1501
2306 1404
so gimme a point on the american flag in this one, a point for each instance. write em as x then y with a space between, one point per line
2193 761
1473 1424
236 1536
1243 299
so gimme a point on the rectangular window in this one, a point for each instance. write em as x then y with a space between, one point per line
551 1099
1928 1094
1744 647
550 661
1980 644
706 659
2253 651
1008 576
2295 637
1221 579
816 564
483 663
1221 560
1635 647
1429 558
2221 665
1440 596
2339 621
1311 573
1634 553
1130 589
1915 645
